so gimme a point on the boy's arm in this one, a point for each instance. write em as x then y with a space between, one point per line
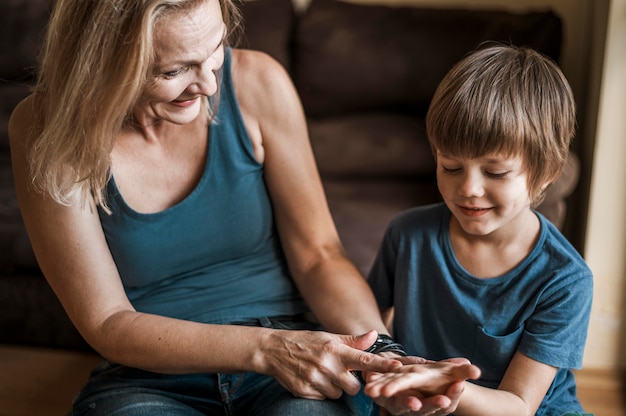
520 393
423 386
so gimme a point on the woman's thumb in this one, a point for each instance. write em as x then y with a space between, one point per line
364 341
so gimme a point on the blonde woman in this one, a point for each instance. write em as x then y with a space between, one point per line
173 203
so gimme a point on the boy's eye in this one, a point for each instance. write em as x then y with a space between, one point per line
497 175
451 170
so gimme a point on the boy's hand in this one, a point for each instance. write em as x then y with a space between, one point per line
406 404
421 387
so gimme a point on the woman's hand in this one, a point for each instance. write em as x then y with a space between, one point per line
318 365
421 387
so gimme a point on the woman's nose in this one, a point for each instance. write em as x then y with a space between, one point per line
206 83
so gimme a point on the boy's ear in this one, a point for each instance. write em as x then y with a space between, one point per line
539 196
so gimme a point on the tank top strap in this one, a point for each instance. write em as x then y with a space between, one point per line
228 130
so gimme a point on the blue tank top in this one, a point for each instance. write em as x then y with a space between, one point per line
215 257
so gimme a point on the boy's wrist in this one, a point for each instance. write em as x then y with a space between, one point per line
384 343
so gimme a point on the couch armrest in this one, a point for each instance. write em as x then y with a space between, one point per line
554 205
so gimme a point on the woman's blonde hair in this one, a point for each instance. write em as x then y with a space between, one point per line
510 100
97 58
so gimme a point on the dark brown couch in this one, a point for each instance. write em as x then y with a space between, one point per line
365 75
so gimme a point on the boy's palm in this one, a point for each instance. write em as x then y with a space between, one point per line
421 386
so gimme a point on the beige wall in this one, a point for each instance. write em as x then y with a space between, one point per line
606 233
594 60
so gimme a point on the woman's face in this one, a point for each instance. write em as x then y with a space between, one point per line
189 49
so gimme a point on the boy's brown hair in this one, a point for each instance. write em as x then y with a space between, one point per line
509 100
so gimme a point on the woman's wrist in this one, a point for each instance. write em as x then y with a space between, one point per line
268 342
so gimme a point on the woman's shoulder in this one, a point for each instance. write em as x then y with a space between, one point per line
248 61
257 73
265 93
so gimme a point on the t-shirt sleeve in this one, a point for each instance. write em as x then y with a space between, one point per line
381 276
557 332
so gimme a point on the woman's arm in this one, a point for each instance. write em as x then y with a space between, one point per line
330 283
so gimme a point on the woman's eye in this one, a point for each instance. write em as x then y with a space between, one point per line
175 73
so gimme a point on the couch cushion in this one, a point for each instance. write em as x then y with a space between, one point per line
10 96
22 24
15 249
268 27
354 57
362 211
371 145
30 314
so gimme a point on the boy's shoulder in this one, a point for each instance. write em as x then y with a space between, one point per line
563 255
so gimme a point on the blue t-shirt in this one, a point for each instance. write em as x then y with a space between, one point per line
214 257
540 308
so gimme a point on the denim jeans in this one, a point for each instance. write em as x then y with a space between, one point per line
118 390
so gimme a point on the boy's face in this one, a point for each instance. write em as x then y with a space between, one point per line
487 194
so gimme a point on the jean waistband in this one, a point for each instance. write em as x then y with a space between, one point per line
297 321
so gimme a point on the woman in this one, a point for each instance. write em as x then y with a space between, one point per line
184 236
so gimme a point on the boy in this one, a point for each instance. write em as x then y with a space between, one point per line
483 275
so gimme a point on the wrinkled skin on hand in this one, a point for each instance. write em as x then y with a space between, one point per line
421 387
317 365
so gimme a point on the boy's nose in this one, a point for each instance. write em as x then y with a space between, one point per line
471 184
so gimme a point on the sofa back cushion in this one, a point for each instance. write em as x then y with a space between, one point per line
268 26
22 24
357 57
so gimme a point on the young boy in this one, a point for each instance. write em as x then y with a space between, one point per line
483 275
